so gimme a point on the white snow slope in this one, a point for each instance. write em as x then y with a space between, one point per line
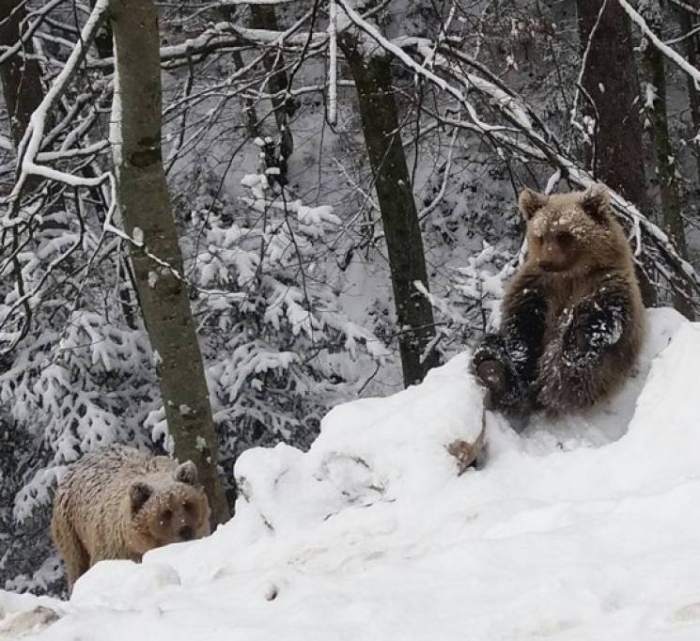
586 530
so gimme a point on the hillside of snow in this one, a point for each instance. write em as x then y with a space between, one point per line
587 529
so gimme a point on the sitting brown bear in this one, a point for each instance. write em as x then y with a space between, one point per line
118 503
573 318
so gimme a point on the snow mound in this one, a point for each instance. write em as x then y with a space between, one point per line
377 449
584 529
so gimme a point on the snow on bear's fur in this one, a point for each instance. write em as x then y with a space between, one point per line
573 318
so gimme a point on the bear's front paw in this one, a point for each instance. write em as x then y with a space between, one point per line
492 375
589 335
576 342
580 337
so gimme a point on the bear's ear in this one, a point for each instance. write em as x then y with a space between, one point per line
139 492
187 473
530 201
596 203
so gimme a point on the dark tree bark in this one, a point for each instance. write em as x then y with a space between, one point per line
251 116
265 17
610 81
380 124
665 167
104 38
22 90
611 87
687 24
20 74
228 13
145 206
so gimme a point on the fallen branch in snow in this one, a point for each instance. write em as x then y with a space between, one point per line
466 453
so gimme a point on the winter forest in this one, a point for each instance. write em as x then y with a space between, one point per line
223 218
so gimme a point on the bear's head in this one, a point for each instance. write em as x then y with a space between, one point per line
572 232
167 508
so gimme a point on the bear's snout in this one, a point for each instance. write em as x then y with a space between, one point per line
551 266
186 532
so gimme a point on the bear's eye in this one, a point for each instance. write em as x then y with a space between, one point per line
188 507
564 237
167 515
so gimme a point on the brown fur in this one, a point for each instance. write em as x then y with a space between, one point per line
575 249
597 244
573 319
118 503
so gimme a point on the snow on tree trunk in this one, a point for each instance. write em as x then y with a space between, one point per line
380 124
145 206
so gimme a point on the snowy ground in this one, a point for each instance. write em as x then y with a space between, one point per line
582 530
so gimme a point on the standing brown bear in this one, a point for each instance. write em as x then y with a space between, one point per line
118 503
573 318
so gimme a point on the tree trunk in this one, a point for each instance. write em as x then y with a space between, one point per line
666 167
380 124
687 24
265 17
20 75
610 81
145 207
228 13
104 38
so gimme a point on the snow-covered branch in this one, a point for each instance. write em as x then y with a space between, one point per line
669 52
31 142
535 146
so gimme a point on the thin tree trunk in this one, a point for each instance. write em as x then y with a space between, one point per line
23 92
264 17
665 166
251 116
145 206
611 89
104 42
687 24
20 74
228 13
380 124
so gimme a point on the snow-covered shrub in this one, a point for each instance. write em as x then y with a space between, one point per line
471 302
78 377
92 387
472 238
278 349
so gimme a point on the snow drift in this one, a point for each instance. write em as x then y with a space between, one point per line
584 529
